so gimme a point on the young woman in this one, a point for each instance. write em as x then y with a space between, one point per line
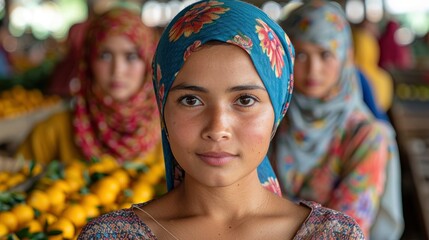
223 77
115 109
331 149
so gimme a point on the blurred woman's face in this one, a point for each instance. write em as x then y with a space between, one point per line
316 70
118 68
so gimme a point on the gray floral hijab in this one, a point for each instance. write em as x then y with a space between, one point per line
311 122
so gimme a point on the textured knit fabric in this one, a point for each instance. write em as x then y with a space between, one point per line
126 129
321 224
332 150
236 23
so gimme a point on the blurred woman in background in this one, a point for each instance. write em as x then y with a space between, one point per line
114 110
330 149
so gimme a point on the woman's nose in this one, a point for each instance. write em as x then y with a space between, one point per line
118 66
218 124
314 65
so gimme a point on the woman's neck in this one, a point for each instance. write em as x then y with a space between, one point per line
246 197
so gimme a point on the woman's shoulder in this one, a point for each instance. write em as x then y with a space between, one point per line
121 224
59 119
361 122
325 223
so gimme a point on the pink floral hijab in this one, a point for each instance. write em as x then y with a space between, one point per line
124 130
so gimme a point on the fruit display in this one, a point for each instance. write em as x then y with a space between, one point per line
18 100
66 197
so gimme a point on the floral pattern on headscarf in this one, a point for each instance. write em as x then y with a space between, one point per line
124 130
231 22
242 41
271 46
195 18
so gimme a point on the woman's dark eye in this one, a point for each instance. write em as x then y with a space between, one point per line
133 56
246 101
190 101
326 54
105 55
300 56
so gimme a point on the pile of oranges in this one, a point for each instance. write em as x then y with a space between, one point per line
10 179
67 197
18 101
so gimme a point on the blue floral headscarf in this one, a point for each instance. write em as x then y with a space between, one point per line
237 23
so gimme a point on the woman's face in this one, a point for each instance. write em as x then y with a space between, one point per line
218 116
316 69
118 68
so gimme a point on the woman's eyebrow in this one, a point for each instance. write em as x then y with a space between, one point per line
238 88
183 86
246 88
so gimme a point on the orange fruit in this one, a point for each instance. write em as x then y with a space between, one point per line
150 177
57 209
142 192
90 199
15 179
36 170
56 196
63 185
159 169
77 164
76 214
109 163
75 184
122 177
108 184
64 225
9 220
39 200
73 172
3 230
48 218
105 197
91 211
110 207
34 226
125 205
97 168
23 213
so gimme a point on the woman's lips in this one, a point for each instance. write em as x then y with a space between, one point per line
216 158
116 85
311 83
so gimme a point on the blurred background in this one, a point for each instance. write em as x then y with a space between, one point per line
36 37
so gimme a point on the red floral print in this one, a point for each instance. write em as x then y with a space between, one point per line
273 186
191 49
195 18
271 46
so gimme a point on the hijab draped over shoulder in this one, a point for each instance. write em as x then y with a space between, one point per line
230 22
125 130
332 150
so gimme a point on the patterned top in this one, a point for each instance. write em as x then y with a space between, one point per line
321 223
